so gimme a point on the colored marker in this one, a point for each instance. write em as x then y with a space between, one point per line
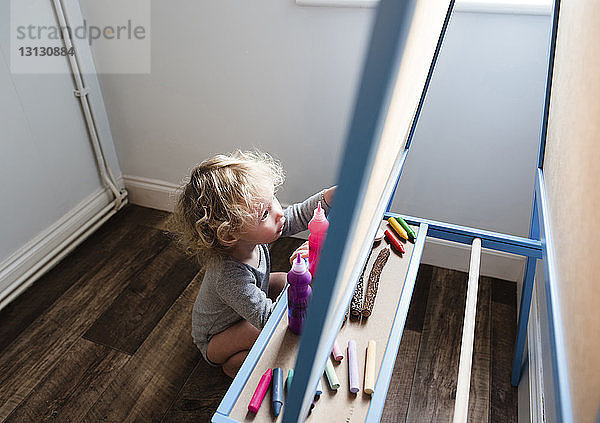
353 367
407 228
319 390
260 392
288 382
277 390
370 368
397 228
334 382
394 241
338 355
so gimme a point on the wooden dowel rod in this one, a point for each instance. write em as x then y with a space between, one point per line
461 406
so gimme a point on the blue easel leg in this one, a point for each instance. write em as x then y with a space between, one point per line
523 320
525 305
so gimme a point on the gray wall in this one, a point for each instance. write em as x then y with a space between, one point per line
475 149
271 74
46 162
237 74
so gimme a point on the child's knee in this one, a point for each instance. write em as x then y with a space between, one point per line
229 370
276 284
233 364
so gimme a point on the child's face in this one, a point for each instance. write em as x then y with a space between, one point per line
270 220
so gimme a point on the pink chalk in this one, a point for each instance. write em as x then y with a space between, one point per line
338 355
353 367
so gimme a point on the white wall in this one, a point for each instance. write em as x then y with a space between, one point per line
47 168
475 149
238 74
281 77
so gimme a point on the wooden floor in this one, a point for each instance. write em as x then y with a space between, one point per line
105 336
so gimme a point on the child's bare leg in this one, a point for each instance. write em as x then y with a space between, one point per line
233 340
276 284
231 366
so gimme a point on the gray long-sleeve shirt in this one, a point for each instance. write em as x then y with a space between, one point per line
233 290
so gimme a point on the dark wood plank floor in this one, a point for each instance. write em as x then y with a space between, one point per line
105 336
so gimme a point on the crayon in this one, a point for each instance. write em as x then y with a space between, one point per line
397 228
338 355
334 382
370 368
277 390
407 228
319 390
353 367
260 392
288 382
394 240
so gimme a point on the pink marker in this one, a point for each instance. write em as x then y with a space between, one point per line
338 355
261 390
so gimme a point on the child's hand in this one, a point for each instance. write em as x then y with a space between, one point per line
303 250
328 194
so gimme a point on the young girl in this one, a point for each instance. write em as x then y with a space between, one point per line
226 215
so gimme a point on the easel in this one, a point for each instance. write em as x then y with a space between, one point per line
371 166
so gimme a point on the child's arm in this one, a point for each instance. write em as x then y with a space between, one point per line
298 215
240 292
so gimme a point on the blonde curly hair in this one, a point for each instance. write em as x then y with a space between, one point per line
219 201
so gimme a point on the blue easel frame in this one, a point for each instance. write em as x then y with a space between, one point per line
387 42
540 230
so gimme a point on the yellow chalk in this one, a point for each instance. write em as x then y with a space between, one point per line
397 228
370 368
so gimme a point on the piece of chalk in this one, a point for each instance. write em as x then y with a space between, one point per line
397 228
370 368
353 367
277 391
407 228
260 392
334 382
319 390
288 382
389 235
336 351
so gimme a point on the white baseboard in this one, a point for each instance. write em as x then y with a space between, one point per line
28 263
153 193
160 195
512 7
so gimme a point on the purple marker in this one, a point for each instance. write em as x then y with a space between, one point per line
299 293
353 367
